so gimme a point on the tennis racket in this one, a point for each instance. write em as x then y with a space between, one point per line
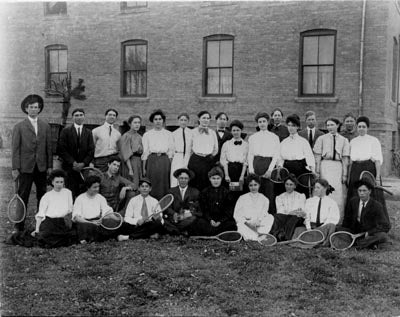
343 240
227 237
161 206
16 210
369 177
279 174
111 221
91 171
307 180
310 237
267 240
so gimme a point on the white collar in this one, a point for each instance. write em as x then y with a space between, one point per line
365 203
313 129
108 125
33 120
78 126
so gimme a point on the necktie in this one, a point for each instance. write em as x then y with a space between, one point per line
237 143
362 210
144 212
319 213
184 141
182 193
310 138
110 131
334 147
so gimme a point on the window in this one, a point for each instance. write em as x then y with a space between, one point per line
218 70
127 5
395 71
56 64
317 60
55 8
134 68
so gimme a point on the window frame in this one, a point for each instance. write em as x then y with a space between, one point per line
219 38
317 33
123 45
48 48
125 7
47 13
394 93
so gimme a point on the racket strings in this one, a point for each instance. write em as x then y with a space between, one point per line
268 240
306 180
312 236
16 210
341 241
165 201
279 175
111 221
230 236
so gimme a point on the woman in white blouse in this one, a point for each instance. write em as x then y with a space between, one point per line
295 152
51 229
158 151
291 202
182 138
203 147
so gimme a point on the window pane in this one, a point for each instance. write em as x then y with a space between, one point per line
213 81
310 50
53 61
325 80
56 7
226 81
212 53
326 49
141 57
62 61
130 57
310 80
141 88
226 54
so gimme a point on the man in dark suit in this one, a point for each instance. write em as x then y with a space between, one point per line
364 214
311 133
184 209
223 134
32 158
76 149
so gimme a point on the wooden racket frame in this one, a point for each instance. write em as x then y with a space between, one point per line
353 236
17 197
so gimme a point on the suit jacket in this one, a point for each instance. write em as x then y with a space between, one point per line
28 149
191 199
221 140
373 218
69 149
317 134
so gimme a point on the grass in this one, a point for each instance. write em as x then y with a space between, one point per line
177 276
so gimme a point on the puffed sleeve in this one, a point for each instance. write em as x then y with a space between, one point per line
146 146
224 155
376 150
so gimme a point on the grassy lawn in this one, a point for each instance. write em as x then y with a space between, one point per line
176 276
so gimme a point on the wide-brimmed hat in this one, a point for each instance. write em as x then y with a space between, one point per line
144 180
179 171
30 99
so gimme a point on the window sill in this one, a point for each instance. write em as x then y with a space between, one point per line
316 99
51 17
217 99
134 10
217 3
134 99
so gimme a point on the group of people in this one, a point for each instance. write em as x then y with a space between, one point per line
220 179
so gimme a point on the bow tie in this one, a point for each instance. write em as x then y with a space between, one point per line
237 142
221 130
203 130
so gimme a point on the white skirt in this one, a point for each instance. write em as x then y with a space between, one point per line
332 172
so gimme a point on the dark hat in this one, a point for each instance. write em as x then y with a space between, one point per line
30 99
144 180
179 171
157 112
363 182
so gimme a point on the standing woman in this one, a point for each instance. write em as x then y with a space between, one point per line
234 155
158 150
277 127
131 150
182 138
295 152
332 152
264 149
203 147
365 155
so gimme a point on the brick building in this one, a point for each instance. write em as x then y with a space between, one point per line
332 57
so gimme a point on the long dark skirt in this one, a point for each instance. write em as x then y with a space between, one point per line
284 226
94 233
158 170
54 233
203 227
200 166
261 165
235 170
356 169
297 167
141 232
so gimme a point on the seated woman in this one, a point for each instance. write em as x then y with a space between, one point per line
322 212
137 224
216 205
89 207
254 221
291 202
55 206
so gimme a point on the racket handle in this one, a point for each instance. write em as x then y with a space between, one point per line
16 185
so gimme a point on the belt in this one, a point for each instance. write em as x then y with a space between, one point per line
363 161
158 154
180 152
137 154
202 155
99 157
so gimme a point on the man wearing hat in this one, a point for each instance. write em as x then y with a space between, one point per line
185 206
32 157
